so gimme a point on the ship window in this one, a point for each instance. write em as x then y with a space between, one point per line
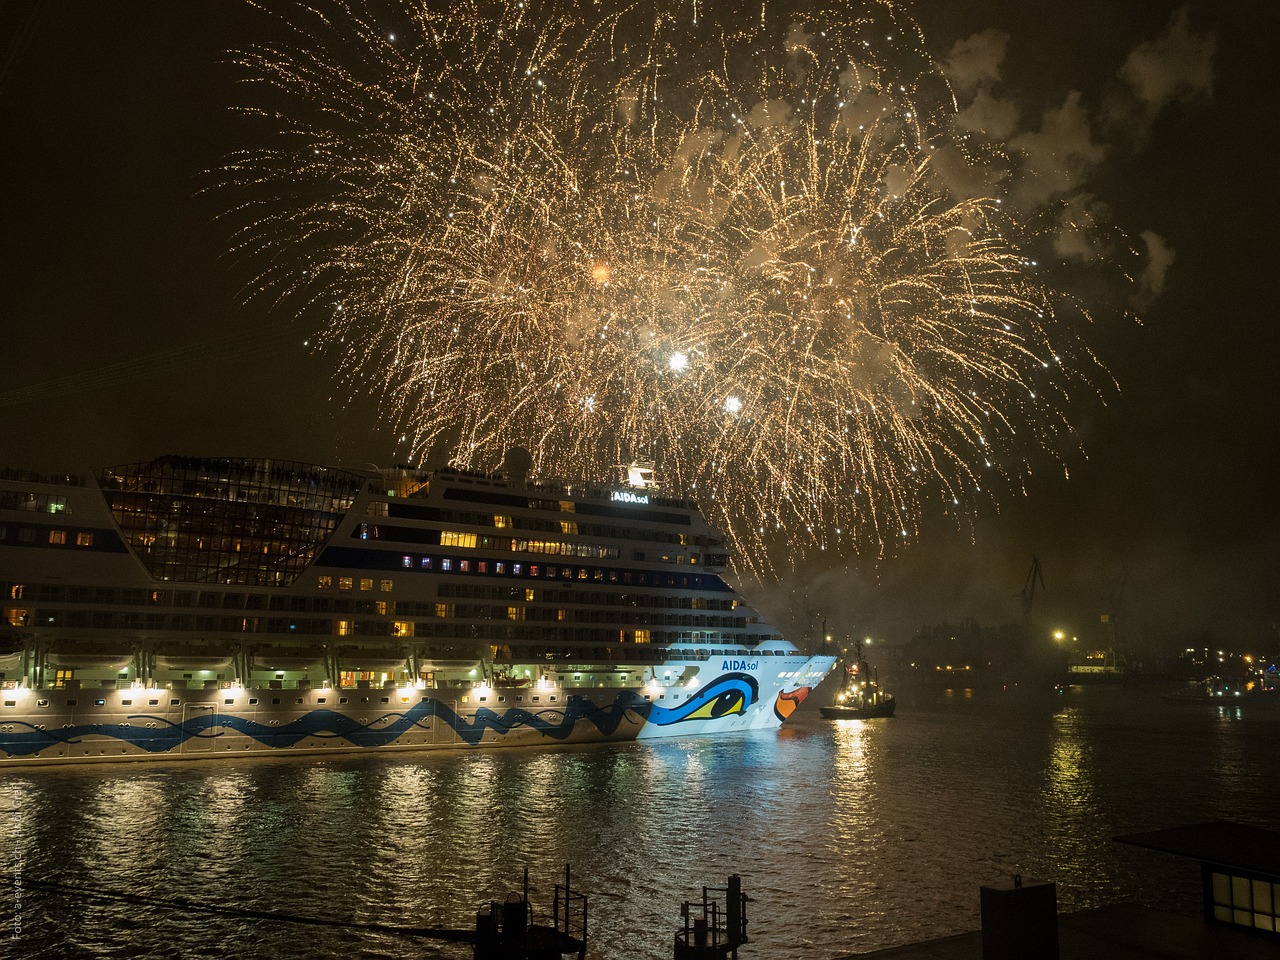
321 699
152 703
253 700
42 703
297 699
326 583
342 699
484 699
344 583
11 703
386 584
275 700
500 567
464 565
84 539
426 563
174 703
502 699
232 700
446 564
366 583
407 562
57 536
552 699
126 703
71 703
466 699
386 699
99 703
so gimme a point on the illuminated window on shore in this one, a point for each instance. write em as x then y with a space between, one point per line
515 613
501 522
444 609
1245 901
344 628
386 586
402 628
643 636
325 583
17 617
344 583
366 583
454 538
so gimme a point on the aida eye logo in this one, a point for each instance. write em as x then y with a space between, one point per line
728 695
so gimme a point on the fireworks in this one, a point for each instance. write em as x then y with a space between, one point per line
747 245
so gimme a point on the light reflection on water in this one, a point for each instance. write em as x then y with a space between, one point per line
849 836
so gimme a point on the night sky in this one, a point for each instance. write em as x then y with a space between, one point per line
127 334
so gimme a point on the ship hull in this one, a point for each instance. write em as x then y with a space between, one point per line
59 726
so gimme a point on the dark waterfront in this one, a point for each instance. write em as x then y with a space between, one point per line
848 836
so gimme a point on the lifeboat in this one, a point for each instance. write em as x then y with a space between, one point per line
373 660
280 659
190 658
73 655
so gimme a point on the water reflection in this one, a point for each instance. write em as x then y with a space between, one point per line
849 835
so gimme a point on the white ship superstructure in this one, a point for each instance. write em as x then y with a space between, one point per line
189 607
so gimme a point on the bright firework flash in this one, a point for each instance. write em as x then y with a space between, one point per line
750 246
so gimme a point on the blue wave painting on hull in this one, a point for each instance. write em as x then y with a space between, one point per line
730 694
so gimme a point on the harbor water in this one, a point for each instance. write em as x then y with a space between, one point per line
849 836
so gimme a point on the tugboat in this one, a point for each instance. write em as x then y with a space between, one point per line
860 697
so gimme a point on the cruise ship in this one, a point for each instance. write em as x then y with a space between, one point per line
188 608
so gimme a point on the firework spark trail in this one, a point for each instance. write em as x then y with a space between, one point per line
727 245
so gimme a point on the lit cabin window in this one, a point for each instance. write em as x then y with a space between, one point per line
344 583
402 628
366 583
325 583
455 538
57 536
84 539
386 584
407 562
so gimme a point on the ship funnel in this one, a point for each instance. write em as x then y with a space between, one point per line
517 465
